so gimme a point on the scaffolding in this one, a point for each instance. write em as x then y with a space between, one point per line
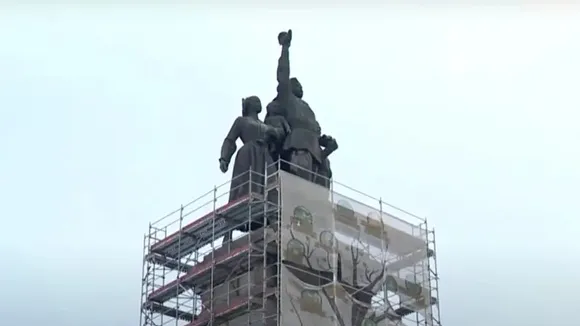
313 255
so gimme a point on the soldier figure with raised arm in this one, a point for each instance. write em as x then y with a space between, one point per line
301 146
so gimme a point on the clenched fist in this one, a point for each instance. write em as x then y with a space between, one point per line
285 38
224 165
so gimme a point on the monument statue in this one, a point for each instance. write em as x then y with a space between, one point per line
302 145
290 132
254 155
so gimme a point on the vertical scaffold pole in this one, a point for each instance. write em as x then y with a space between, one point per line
265 243
334 246
165 269
143 281
250 248
160 269
436 277
211 284
384 253
427 280
416 299
179 236
149 276
278 237
197 302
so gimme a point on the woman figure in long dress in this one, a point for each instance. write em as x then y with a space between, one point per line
254 156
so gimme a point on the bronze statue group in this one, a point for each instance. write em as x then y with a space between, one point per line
289 133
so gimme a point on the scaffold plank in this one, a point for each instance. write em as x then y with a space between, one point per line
169 311
406 310
173 289
168 262
405 243
199 275
200 225
227 311
212 225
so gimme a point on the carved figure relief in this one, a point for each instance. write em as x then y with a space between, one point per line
327 241
344 213
336 291
374 225
311 301
295 251
302 221
413 289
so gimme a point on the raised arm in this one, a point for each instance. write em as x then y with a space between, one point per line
229 145
283 71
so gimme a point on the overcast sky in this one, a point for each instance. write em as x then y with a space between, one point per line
110 118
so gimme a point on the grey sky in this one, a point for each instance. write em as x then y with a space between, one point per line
111 118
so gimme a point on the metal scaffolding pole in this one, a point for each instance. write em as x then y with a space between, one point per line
278 237
212 269
143 288
265 245
177 288
249 259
